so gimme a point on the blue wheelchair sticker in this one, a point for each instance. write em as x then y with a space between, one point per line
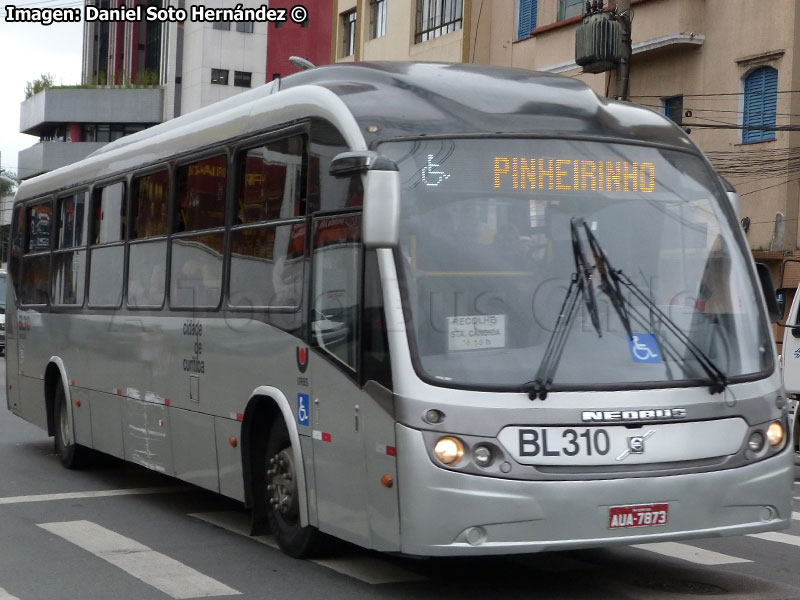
302 409
644 348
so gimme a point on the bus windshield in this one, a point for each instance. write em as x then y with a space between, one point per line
487 254
2 293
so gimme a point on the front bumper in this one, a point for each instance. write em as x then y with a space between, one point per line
446 513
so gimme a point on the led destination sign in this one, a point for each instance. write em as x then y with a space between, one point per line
564 174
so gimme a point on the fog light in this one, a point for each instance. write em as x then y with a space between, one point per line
756 441
775 434
482 456
449 451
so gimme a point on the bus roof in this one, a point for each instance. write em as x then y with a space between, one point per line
372 102
412 99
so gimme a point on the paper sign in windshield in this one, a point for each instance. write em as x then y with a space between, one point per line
476 332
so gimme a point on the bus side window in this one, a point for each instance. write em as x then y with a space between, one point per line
197 245
17 239
147 250
336 286
107 254
35 288
269 238
69 255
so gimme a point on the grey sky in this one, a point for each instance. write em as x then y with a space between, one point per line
28 51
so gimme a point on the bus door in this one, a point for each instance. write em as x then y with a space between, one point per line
337 426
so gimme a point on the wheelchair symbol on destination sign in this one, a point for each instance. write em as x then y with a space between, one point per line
432 177
644 348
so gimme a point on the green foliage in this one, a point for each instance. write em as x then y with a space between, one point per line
6 187
38 85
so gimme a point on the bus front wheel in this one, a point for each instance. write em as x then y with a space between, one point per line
72 455
282 497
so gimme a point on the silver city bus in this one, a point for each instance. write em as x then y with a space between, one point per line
430 309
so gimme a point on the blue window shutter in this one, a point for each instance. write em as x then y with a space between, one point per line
760 104
527 18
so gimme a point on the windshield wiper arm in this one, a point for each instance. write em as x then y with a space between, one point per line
609 281
580 284
584 273
612 282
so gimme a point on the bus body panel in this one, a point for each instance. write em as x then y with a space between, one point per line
440 508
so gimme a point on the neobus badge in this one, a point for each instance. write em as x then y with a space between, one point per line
564 174
634 415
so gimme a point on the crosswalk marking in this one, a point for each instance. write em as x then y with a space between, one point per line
4 595
774 536
364 568
91 494
796 516
153 568
692 554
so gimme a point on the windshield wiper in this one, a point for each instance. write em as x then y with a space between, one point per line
580 284
612 282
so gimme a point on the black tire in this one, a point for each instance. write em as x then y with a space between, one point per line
282 498
72 455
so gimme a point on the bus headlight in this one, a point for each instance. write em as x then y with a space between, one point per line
775 434
449 451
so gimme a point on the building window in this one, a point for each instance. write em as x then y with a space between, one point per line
760 104
437 17
241 78
219 76
349 33
222 25
377 18
245 27
526 19
570 8
673 108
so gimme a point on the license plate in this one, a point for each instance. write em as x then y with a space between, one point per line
644 515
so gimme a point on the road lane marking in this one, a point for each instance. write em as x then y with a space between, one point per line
368 569
153 568
94 494
692 554
774 536
4 595
796 516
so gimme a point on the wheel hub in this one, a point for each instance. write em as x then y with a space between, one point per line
282 489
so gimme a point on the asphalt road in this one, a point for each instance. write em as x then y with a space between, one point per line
117 531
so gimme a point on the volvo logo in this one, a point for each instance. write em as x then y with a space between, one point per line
656 414
636 445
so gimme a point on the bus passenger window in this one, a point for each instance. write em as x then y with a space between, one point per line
196 268
147 251
69 262
107 255
35 285
272 183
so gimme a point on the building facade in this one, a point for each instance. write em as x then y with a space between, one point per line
310 40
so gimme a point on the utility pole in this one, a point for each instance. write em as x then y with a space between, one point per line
623 11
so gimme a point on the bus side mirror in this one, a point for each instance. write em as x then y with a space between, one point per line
768 288
381 219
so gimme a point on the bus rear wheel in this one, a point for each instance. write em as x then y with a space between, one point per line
283 500
72 455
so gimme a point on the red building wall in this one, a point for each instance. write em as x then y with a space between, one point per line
292 39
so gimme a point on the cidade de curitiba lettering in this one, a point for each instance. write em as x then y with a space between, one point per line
199 13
